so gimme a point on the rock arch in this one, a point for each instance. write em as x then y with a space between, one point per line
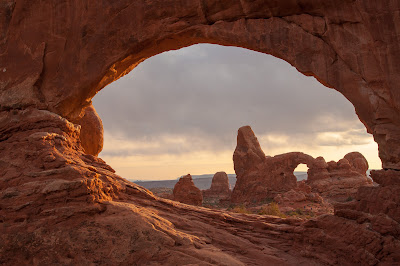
60 63
55 56
260 177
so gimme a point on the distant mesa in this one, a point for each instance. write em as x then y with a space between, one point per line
186 192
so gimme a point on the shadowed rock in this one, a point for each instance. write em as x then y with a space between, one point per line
339 181
261 178
219 188
186 192
91 131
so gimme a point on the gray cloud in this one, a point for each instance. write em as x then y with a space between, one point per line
204 93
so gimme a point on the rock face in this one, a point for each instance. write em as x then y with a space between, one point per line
301 193
260 178
91 131
339 181
219 189
378 200
186 192
59 205
347 45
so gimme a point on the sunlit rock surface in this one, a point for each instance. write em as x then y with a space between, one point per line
92 134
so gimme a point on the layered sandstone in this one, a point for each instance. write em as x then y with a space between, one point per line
186 192
68 207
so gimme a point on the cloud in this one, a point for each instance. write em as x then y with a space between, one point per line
195 99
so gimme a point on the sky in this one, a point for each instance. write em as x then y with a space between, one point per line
178 112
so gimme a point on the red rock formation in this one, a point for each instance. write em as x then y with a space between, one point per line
260 178
339 181
347 45
357 161
186 192
301 201
219 189
91 131
301 193
61 206
383 199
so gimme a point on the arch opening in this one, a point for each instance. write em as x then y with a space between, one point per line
301 172
150 92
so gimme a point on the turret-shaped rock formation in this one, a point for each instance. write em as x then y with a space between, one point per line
259 177
219 188
186 192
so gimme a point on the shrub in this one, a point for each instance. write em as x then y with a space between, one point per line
271 209
350 198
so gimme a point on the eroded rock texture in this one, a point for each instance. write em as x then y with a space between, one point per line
186 192
61 206
340 180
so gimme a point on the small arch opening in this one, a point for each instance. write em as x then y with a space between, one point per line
301 172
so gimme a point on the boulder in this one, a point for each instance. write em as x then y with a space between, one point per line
91 135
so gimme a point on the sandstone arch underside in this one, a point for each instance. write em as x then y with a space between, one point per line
56 55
